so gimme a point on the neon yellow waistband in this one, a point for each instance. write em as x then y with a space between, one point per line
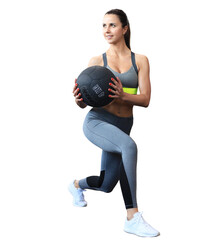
130 90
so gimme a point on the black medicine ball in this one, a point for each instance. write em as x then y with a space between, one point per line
93 83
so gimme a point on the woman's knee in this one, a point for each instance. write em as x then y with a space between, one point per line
109 184
107 189
131 146
129 152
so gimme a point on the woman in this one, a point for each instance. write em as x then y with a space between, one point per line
109 127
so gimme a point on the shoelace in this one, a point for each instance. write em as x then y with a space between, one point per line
140 219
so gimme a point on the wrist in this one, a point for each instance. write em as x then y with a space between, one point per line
125 96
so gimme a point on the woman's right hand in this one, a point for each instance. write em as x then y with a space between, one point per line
78 96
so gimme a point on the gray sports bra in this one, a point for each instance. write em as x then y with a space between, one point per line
129 79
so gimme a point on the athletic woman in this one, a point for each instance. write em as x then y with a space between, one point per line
109 127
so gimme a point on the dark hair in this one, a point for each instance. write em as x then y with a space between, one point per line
124 20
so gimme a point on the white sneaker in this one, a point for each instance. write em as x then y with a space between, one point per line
78 196
138 226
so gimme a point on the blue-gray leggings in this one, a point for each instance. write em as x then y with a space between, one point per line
119 155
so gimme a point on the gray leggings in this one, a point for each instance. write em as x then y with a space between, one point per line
119 155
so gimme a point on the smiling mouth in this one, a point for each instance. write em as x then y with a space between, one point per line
109 36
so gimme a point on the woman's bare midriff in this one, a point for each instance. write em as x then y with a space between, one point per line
119 108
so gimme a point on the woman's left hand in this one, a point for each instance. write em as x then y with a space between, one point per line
118 89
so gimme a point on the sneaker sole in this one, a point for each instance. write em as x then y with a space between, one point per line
79 205
142 235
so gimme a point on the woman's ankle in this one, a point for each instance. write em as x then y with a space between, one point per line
131 212
76 184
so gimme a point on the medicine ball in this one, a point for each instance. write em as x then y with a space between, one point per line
93 83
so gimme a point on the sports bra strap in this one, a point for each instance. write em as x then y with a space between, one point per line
134 62
105 60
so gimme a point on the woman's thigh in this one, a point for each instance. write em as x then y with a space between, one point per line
106 136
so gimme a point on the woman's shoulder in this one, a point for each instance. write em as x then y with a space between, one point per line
141 57
97 60
141 60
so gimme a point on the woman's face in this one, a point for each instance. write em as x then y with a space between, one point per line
112 29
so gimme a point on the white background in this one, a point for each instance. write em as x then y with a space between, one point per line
43 47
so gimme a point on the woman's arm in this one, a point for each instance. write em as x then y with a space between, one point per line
143 98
